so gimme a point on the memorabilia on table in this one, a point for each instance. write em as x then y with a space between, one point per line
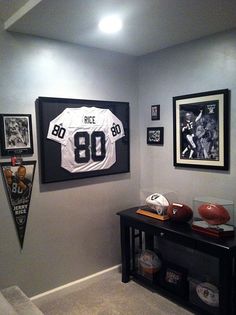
204 294
174 278
156 207
208 293
149 263
18 180
179 212
213 221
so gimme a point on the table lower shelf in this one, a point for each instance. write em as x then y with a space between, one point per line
182 301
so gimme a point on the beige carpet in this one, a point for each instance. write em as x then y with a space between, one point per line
107 295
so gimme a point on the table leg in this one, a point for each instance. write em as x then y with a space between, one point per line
225 286
125 250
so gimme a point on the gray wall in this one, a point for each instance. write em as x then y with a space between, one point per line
198 66
72 228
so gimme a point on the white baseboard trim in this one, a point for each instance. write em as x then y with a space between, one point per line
38 296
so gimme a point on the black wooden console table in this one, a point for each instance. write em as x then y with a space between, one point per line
223 249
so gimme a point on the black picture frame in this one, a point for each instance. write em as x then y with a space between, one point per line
16 134
155 135
201 130
174 278
155 112
48 108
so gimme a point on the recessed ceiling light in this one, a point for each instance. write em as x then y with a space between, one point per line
110 24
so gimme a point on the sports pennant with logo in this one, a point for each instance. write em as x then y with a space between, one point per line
18 181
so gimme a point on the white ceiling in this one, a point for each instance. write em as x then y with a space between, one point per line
149 25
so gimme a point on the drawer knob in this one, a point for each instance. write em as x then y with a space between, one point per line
162 234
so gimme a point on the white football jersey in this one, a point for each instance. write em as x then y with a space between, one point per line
87 136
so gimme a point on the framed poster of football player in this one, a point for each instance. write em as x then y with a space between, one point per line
16 134
201 130
82 138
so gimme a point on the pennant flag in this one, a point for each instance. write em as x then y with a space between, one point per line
18 181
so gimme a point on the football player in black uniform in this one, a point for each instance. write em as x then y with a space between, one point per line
18 184
188 134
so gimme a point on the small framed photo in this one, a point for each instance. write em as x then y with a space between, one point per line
201 130
16 134
174 278
155 112
155 135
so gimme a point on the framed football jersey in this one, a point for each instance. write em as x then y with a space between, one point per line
82 138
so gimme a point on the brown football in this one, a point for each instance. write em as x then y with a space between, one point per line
179 212
213 213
